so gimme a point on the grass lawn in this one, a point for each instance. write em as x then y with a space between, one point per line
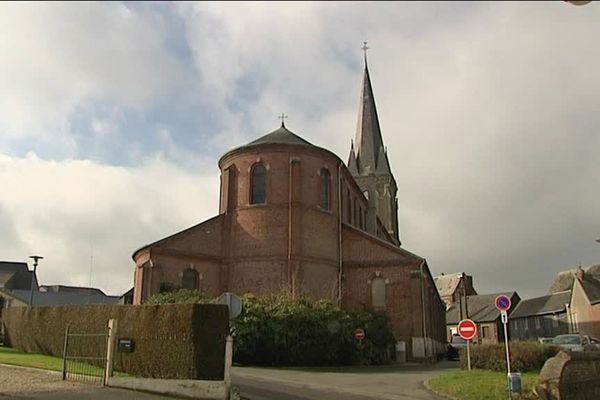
14 357
480 385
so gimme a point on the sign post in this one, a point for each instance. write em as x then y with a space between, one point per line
467 329
503 304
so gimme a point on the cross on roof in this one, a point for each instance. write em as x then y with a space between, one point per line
282 117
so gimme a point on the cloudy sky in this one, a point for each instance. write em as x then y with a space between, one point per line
113 116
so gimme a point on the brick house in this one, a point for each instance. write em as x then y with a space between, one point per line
454 287
293 217
482 310
585 302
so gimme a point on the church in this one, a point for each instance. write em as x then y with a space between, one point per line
294 218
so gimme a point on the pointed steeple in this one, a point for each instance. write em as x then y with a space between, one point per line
352 165
383 165
368 132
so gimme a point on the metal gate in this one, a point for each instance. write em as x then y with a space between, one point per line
84 356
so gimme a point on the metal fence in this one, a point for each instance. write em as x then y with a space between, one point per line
84 356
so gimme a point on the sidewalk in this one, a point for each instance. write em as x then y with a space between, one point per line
396 382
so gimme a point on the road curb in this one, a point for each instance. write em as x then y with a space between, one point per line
437 393
51 371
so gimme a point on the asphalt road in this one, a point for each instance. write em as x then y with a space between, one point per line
404 382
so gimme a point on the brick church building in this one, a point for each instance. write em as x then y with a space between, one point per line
293 217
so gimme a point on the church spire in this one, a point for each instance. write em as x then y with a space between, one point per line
352 165
368 133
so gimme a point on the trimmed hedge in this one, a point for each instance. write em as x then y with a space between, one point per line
524 356
183 341
178 296
278 330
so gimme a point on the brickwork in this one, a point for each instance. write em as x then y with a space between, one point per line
292 244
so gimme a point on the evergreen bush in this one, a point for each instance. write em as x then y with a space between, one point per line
524 356
278 330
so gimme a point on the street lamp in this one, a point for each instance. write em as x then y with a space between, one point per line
35 264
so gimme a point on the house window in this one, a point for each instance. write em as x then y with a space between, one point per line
485 332
189 280
325 189
516 325
538 322
526 323
555 321
259 184
378 293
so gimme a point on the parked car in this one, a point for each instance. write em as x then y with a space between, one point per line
577 342
455 347
545 340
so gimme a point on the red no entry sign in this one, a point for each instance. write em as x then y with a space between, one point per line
359 334
467 329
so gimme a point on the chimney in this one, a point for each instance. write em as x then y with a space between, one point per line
579 273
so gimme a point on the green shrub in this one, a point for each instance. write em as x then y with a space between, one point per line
178 296
277 330
524 356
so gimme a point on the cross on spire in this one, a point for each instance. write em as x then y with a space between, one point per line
282 118
365 48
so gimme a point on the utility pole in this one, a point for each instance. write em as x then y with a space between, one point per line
35 264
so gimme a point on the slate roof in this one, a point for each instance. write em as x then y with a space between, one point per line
65 298
592 289
481 308
446 284
549 304
564 279
279 136
71 289
15 275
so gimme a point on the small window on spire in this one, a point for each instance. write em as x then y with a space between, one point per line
258 184
325 189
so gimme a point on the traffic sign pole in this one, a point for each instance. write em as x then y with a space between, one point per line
503 304
468 355
467 330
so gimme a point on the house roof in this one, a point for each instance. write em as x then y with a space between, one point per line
447 284
564 279
15 275
70 289
591 287
549 304
481 308
65 298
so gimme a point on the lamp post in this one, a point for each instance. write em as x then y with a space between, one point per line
35 264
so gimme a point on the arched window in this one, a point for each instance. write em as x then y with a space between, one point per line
258 184
324 203
189 280
378 293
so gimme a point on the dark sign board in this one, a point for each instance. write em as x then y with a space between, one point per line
126 346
